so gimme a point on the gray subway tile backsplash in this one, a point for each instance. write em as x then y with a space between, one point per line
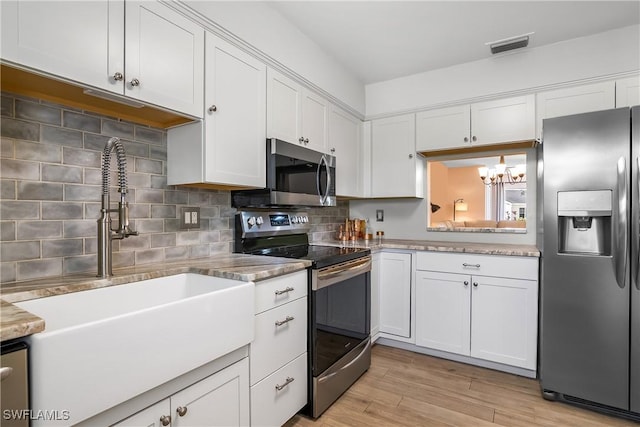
50 190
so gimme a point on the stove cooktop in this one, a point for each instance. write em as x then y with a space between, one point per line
320 256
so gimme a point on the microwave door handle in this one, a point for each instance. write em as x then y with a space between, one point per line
636 224
323 197
326 193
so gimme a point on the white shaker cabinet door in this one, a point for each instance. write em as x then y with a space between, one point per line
315 116
503 120
235 91
443 305
504 320
77 40
164 57
395 294
395 169
443 129
284 107
345 144
219 400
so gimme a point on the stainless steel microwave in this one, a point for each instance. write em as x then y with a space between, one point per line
296 176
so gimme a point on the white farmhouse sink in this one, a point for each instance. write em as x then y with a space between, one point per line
104 346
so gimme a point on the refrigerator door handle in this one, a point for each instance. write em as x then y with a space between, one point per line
621 258
636 273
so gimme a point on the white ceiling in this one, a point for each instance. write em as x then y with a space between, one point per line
382 40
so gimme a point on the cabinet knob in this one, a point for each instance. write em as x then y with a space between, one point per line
182 410
134 82
411 156
473 138
165 420
213 109
475 284
466 283
301 140
118 76
466 139
333 150
306 141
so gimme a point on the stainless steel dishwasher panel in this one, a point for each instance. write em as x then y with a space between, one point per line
14 386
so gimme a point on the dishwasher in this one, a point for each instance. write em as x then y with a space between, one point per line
14 385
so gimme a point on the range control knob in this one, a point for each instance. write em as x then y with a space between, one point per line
294 219
304 219
259 220
251 221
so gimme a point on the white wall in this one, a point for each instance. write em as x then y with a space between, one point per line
608 53
264 28
407 218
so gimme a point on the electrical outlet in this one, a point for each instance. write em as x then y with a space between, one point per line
379 215
189 218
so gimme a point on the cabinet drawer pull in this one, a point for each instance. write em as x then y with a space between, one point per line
464 264
288 381
284 291
286 320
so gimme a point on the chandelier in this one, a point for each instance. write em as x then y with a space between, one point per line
502 173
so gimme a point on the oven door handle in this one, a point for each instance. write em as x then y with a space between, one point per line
340 272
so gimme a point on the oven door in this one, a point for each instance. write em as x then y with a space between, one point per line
299 176
340 311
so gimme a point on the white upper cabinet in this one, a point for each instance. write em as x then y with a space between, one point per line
503 120
81 41
294 113
574 100
443 129
164 57
160 61
483 123
396 170
228 147
346 144
628 92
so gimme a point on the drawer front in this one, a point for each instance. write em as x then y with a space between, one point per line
277 343
273 407
280 290
485 265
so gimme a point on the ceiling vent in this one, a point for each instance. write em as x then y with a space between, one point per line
512 43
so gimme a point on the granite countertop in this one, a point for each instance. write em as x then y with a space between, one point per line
17 323
427 245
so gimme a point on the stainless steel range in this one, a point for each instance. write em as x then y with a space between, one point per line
339 302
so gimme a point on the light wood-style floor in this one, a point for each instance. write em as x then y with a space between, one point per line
403 388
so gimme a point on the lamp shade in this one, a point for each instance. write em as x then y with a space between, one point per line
461 206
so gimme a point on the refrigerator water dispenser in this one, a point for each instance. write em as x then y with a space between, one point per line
584 222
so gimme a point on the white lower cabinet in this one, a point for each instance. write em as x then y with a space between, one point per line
484 306
280 395
221 399
375 296
395 294
278 354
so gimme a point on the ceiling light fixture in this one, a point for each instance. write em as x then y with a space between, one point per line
511 43
502 173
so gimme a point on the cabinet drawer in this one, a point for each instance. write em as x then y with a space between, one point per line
280 290
273 407
275 345
485 265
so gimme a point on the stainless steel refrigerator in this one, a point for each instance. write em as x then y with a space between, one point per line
590 280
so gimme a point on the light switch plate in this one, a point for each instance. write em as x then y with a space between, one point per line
379 215
189 218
